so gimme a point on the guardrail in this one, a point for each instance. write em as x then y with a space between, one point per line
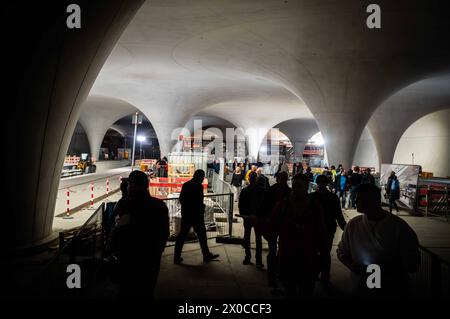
84 247
218 217
83 241
218 184
432 280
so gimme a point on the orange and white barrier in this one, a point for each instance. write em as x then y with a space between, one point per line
92 195
68 203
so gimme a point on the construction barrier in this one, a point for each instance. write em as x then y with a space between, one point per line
161 187
434 199
68 203
107 188
92 195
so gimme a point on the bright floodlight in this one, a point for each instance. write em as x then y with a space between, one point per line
317 139
140 138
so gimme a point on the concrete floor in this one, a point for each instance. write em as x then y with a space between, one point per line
228 278
79 187
433 233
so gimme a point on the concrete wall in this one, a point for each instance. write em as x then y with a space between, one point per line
366 152
429 139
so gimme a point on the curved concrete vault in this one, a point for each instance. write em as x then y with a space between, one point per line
175 60
427 142
199 126
399 111
257 63
299 131
98 114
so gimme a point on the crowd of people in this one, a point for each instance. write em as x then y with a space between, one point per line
299 228
298 224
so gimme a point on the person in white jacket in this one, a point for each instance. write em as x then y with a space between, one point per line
380 238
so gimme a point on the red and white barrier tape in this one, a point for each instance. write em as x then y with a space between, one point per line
68 203
92 195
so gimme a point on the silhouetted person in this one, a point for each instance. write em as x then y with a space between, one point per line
367 177
332 214
192 215
297 168
143 229
277 192
328 174
393 191
263 181
333 177
310 176
236 182
301 228
161 165
282 167
216 166
355 180
340 185
250 204
378 237
349 186
118 210
249 171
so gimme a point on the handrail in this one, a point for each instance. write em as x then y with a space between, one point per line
227 184
205 195
429 278
230 189
75 237
434 255
218 182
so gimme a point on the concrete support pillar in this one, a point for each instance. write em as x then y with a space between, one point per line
299 147
341 133
95 142
386 142
50 71
366 153
254 139
168 137
299 131
98 114
95 135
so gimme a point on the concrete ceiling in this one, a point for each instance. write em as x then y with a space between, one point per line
206 121
98 114
403 108
258 63
299 131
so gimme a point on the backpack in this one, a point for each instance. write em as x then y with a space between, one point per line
395 186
